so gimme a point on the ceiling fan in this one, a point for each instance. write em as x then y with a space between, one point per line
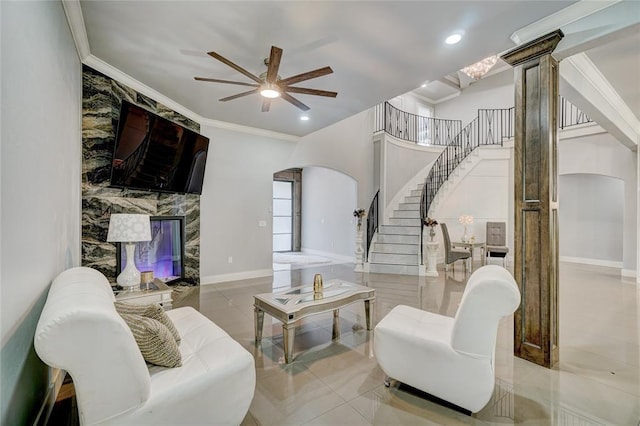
269 84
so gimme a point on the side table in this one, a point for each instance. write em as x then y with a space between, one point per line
159 293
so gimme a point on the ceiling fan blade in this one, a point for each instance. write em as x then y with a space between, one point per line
239 95
274 64
266 104
215 80
287 97
306 76
293 89
234 66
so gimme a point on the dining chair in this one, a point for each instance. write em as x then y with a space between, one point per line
497 241
451 254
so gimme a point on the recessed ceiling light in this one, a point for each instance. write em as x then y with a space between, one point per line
453 38
304 118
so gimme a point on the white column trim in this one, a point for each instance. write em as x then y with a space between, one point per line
599 99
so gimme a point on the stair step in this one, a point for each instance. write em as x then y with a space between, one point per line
397 239
416 193
412 199
379 268
404 221
393 259
395 248
400 230
409 206
402 214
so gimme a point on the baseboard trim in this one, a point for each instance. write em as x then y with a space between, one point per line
594 262
57 377
630 273
237 276
334 256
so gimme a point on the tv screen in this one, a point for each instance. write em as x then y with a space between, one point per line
155 154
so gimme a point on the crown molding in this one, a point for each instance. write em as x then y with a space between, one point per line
447 98
559 19
75 19
113 72
250 130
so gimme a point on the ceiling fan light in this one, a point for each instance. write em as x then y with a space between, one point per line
269 91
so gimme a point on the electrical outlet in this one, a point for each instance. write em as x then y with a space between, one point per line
230 259
262 223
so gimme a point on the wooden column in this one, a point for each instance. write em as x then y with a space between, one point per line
536 199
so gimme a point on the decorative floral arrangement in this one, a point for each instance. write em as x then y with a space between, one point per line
359 213
465 219
430 222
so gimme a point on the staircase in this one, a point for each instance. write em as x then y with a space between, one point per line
396 246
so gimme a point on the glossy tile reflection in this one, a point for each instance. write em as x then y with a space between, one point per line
340 383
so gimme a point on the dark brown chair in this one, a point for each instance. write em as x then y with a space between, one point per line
497 241
450 254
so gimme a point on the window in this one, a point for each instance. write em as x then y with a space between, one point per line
282 216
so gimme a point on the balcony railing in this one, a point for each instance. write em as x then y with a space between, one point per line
414 128
490 127
569 114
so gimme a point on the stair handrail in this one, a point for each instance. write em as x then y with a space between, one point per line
372 222
490 127
414 128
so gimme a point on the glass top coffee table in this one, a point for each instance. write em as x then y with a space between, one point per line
299 302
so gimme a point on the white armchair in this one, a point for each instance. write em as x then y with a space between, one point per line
80 331
450 358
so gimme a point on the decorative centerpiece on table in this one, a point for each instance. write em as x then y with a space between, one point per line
359 213
465 220
431 223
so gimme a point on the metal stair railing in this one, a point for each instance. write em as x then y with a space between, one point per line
490 127
372 223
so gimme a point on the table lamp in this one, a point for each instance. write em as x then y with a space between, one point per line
129 229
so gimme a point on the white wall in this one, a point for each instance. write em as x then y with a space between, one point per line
601 154
40 181
413 104
238 187
346 147
405 160
591 218
483 193
328 202
237 194
495 91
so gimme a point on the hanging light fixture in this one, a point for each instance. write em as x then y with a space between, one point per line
479 69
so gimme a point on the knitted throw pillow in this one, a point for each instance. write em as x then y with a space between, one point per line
156 343
152 310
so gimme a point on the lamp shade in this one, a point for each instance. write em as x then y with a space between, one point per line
129 228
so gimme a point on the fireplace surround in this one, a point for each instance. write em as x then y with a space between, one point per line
164 254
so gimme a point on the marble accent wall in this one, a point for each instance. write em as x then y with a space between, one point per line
101 98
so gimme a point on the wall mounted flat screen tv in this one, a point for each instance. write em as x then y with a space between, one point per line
155 154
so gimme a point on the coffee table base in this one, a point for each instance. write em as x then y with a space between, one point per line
289 328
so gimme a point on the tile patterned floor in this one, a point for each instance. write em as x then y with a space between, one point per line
597 381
